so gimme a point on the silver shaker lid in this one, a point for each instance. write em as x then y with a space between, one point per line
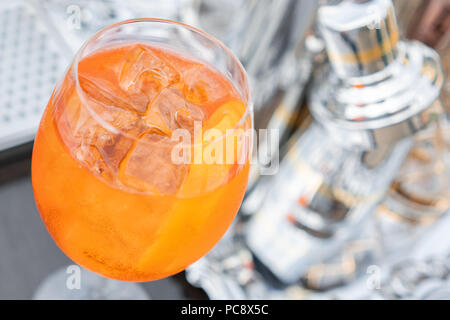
361 36
378 90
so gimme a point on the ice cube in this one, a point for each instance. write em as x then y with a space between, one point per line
144 71
110 107
202 85
148 165
98 135
170 111
93 160
100 149
106 94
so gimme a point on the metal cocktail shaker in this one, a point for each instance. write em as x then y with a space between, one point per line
375 94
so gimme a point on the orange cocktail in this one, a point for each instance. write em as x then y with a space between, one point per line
132 170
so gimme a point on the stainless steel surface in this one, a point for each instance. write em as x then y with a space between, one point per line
421 272
265 35
77 21
319 200
337 172
30 64
420 193
285 115
361 36
380 109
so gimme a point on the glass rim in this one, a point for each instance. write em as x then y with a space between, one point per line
247 100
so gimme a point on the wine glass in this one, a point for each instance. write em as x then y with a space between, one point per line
142 156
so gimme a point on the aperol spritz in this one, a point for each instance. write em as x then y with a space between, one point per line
106 169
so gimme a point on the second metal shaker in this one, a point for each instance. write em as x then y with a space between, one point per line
374 96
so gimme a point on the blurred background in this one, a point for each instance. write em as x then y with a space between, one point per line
358 90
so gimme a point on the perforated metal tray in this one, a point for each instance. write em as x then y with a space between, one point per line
31 63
